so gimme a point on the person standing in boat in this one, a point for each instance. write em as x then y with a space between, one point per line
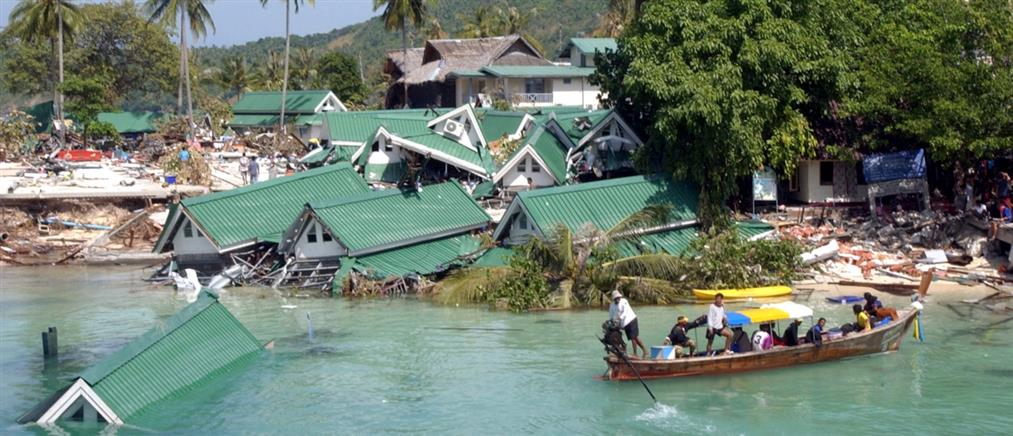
621 312
679 338
717 324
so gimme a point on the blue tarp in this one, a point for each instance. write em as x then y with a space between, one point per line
894 166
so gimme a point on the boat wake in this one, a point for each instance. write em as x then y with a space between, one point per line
669 418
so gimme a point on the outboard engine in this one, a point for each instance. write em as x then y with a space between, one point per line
613 339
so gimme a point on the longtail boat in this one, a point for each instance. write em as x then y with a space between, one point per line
884 338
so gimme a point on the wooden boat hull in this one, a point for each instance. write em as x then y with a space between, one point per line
882 339
738 294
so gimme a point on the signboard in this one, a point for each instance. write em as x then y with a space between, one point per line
765 185
894 166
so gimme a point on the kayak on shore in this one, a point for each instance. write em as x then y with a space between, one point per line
743 293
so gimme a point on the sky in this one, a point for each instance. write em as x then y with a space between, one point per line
240 21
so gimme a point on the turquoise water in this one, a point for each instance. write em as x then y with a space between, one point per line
408 366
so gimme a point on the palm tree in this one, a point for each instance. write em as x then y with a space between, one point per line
190 12
396 15
514 21
271 76
235 76
288 38
305 70
481 25
53 20
434 29
620 14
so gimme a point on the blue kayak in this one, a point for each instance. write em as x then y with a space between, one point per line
846 299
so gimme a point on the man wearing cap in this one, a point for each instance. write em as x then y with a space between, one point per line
621 312
790 335
679 339
717 324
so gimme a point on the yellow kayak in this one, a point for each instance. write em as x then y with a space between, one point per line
738 294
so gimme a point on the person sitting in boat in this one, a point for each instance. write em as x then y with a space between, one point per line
717 324
875 308
815 334
678 337
775 340
862 321
791 333
621 312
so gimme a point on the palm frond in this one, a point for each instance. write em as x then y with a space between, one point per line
656 266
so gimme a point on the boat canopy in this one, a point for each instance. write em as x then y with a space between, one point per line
768 313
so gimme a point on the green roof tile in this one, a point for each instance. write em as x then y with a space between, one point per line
200 341
296 102
495 124
605 203
385 219
551 151
131 122
251 212
494 257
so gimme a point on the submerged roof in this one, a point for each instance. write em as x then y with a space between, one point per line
252 212
200 341
603 204
296 102
380 220
131 122
422 258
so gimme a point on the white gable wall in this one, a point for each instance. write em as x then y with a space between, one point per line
189 240
521 230
315 243
516 178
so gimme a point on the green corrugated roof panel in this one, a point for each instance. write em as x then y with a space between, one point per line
605 203
749 229
573 126
424 258
673 242
296 102
251 212
551 151
200 341
546 71
393 217
591 45
497 124
388 172
494 257
253 120
131 122
484 190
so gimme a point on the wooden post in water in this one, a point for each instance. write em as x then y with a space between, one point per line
50 343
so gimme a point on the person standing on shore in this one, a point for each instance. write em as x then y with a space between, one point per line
244 168
254 171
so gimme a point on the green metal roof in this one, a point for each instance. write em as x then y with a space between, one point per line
269 120
497 124
537 71
605 203
131 122
390 218
296 102
591 45
251 212
551 151
424 258
573 124
388 172
494 257
674 242
749 229
198 342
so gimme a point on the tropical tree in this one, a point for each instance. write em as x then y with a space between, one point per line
433 29
272 74
620 14
192 13
235 76
85 99
339 73
288 37
304 74
396 16
738 86
53 20
483 23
